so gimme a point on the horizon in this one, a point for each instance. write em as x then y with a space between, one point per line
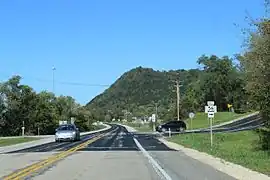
91 44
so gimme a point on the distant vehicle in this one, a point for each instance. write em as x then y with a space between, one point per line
174 126
67 132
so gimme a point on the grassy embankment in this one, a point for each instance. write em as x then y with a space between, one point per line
17 140
239 147
199 121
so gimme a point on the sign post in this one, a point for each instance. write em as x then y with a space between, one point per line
23 128
153 118
191 116
211 109
72 120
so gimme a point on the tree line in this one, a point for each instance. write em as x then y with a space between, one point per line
38 112
242 80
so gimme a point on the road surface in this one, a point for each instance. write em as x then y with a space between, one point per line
249 123
115 155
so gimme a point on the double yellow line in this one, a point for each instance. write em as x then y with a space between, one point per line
37 166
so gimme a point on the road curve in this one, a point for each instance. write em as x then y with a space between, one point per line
60 146
119 154
249 123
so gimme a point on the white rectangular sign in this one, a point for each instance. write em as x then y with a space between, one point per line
210 109
210 103
62 122
211 115
72 120
153 118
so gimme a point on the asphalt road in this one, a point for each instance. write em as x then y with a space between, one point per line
118 155
60 146
249 123
253 121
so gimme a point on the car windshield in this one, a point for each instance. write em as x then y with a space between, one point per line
65 128
171 122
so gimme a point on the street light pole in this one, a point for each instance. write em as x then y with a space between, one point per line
53 69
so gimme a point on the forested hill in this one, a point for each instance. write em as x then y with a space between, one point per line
136 91
139 89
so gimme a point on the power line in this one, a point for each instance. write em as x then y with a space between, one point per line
58 82
81 84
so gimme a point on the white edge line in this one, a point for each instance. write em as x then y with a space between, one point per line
156 166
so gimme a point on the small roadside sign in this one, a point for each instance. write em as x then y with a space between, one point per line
211 115
211 109
62 122
191 115
72 120
210 103
153 118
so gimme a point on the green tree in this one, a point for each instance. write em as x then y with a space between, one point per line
256 63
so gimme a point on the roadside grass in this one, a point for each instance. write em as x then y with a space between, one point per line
12 141
239 147
200 120
139 127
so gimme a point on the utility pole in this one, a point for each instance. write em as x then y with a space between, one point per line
178 98
156 109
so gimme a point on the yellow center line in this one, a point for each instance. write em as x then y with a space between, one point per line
32 168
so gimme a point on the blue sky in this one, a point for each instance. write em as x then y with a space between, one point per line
96 41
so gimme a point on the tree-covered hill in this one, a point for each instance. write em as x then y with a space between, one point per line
137 91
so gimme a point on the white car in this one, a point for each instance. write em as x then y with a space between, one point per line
67 132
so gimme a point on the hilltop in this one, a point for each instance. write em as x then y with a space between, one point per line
137 91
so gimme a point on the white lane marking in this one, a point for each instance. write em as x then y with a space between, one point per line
160 171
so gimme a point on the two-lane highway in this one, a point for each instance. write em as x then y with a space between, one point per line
118 154
61 146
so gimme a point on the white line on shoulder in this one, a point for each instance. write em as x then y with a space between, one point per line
156 166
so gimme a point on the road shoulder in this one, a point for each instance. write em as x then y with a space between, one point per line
234 170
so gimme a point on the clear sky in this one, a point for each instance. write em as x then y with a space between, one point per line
96 41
